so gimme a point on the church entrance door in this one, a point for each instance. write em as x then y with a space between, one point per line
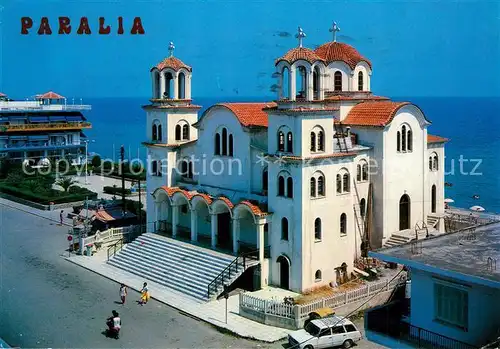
224 239
284 272
404 212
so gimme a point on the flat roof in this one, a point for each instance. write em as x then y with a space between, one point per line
470 254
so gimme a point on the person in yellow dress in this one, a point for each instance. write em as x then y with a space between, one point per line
144 294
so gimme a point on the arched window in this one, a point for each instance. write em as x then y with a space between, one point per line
154 132
433 199
285 83
339 183
346 185
313 141
185 132
321 186
317 275
343 224
217 144
281 186
313 187
184 168
321 141
403 138
289 142
358 173
159 132
410 140
398 140
289 187
317 83
337 81
301 82
430 163
178 131
284 228
230 145
181 83
317 229
362 207
264 180
281 141
360 81
365 172
154 168
435 165
224 141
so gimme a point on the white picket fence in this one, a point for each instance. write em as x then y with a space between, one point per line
303 310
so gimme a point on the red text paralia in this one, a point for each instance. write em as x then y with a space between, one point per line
82 26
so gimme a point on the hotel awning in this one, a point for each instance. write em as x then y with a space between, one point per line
57 118
38 119
74 118
39 138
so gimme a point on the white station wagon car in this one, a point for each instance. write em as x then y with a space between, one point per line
325 333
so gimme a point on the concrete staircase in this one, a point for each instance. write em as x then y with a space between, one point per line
404 236
186 268
432 221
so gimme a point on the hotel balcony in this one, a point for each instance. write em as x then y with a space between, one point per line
45 127
39 146
389 325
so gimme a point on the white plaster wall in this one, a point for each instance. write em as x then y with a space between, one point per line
346 76
161 116
436 177
404 172
276 121
307 125
224 171
175 118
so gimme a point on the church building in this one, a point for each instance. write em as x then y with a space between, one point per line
310 181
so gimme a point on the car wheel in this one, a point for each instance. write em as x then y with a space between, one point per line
309 347
347 344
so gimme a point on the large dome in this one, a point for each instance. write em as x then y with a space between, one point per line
173 63
337 51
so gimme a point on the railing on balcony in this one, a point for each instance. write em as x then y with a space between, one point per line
45 126
387 320
27 146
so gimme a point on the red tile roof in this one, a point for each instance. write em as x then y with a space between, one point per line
354 98
50 95
436 139
337 51
227 201
301 110
373 113
172 62
299 53
3 94
250 114
255 209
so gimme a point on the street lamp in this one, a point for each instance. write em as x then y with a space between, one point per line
86 141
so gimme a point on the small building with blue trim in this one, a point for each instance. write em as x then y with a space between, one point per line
455 292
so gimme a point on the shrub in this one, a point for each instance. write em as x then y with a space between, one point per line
96 161
65 183
45 198
116 190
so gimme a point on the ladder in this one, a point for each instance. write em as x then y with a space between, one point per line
339 133
360 221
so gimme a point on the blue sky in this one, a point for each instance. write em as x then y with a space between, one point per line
416 48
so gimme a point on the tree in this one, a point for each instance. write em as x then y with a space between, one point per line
66 182
96 161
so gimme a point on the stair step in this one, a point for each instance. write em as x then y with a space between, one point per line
186 268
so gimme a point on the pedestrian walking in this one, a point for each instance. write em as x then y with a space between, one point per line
144 294
61 216
123 293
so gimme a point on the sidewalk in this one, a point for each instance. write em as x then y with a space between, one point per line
211 312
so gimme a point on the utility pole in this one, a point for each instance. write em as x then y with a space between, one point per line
122 156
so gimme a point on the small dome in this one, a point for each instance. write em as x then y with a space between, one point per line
299 53
337 51
173 63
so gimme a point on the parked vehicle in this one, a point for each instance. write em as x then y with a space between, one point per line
325 333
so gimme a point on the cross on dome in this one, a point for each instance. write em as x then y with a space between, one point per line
300 35
171 48
334 29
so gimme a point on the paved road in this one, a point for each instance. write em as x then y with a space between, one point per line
47 302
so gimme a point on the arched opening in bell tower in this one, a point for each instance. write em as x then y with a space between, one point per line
301 82
169 86
182 85
156 85
285 83
317 83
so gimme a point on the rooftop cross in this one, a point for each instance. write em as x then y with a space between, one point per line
171 48
300 35
334 29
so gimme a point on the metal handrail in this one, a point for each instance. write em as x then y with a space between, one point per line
241 259
115 248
